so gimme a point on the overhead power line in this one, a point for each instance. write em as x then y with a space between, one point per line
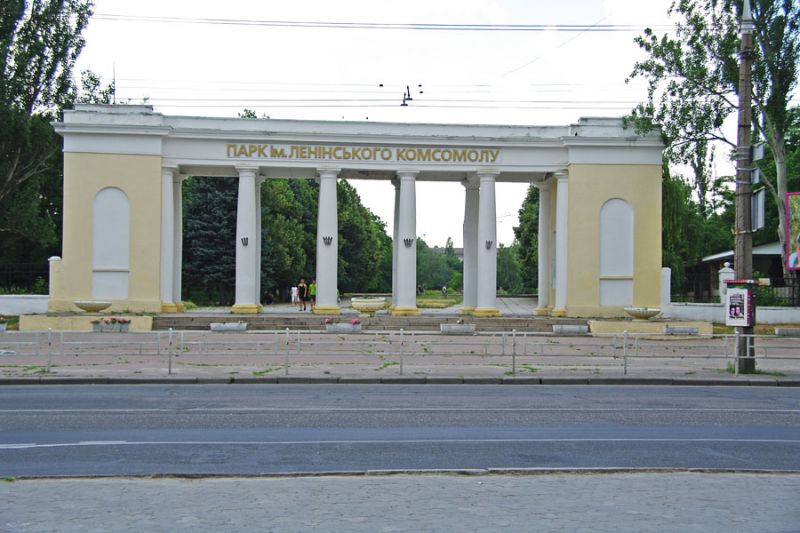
386 26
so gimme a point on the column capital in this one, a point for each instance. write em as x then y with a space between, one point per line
561 175
328 172
407 174
487 173
471 182
247 170
542 185
169 170
395 182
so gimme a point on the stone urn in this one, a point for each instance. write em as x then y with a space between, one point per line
641 314
368 306
92 306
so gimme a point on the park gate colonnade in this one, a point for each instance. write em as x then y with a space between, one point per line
599 245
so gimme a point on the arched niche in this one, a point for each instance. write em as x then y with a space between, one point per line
111 236
616 253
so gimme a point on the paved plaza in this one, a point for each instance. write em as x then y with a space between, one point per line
663 502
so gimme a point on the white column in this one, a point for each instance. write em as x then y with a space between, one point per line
257 292
167 239
407 246
471 210
562 218
246 245
543 260
487 247
177 226
395 239
327 244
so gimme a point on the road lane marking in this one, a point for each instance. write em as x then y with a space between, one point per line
18 446
408 409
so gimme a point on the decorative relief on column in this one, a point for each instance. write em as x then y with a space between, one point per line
487 235
406 300
327 244
246 256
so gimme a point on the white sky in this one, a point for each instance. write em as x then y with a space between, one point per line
483 77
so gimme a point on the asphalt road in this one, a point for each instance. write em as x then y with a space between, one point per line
241 429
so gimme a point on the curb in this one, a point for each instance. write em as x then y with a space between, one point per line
401 380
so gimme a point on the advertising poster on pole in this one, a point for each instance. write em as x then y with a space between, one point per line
793 231
740 303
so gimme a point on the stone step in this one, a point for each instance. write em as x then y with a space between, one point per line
380 323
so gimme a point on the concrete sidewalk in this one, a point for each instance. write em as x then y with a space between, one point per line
642 502
385 357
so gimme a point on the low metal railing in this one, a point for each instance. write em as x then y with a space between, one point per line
285 348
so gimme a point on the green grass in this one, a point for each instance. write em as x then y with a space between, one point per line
731 369
435 300
386 365
259 373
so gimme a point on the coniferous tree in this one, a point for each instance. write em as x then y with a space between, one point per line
209 253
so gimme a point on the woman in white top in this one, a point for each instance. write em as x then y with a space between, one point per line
295 296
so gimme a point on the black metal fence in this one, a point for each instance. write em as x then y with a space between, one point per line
704 288
21 278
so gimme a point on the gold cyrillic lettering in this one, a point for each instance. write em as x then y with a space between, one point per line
386 154
459 155
447 155
231 150
242 151
473 155
261 152
494 154
401 154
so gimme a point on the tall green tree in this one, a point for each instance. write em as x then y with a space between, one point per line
209 255
360 251
509 269
39 44
526 236
284 259
693 80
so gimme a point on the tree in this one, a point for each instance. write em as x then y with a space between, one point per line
209 254
693 77
526 237
39 44
509 271
360 251
284 257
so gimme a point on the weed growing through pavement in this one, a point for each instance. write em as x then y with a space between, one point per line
731 369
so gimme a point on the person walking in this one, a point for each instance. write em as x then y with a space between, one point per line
312 291
295 296
302 290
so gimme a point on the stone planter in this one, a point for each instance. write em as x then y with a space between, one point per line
343 327
91 306
111 328
368 306
457 329
228 326
642 313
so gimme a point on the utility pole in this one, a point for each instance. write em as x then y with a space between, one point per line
743 254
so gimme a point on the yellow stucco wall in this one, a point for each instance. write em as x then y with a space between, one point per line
139 176
590 186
